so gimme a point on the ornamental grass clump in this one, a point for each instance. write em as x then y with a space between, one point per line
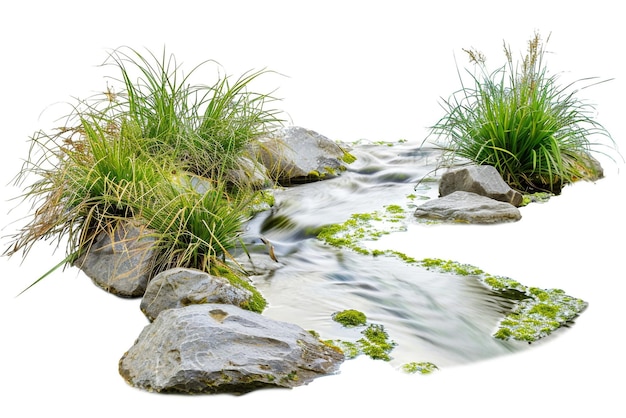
206 128
159 153
537 134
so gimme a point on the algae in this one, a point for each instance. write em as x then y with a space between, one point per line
350 318
374 343
423 367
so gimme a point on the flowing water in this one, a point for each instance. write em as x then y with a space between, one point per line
440 318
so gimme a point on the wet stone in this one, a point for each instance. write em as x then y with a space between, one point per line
468 207
220 348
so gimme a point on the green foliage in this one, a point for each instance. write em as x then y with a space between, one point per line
518 119
203 127
158 152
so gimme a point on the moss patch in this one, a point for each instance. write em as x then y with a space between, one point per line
350 318
364 227
374 341
538 197
256 303
348 158
423 367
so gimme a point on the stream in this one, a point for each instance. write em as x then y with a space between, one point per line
432 317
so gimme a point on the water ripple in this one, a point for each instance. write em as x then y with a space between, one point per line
441 318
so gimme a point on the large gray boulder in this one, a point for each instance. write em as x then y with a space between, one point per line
216 348
179 287
120 259
468 207
484 180
297 155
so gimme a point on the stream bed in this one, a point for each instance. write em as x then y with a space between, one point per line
435 317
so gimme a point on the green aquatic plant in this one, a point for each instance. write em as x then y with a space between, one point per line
520 120
349 349
376 342
423 367
537 197
450 266
364 227
350 318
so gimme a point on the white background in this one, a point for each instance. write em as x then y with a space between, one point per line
353 70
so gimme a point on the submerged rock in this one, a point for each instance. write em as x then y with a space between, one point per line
180 287
483 180
468 207
119 260
218 348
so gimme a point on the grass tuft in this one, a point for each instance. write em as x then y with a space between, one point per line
518 118
158 152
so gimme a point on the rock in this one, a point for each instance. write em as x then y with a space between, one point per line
249 172
120 260
468 207
592 168
298 155
186 182
219 348
180 287
484 180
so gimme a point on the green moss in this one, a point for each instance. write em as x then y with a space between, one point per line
314 333
536 317
348 158
421 367
407 259
362 227
350 349
292 376
394 209
545 309
256 303
373 351
376 334
261 201
448 266
376 343
501 283
539 197
350 318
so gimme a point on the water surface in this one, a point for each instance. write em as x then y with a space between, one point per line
441 318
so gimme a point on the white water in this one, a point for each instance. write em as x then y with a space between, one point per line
356 70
